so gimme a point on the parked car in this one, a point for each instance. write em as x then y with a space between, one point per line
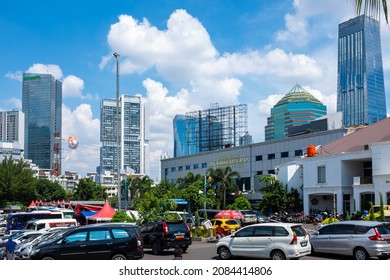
104 241
360 239
261 218
249 217
165 235
276 241
18 237
23 250
229 225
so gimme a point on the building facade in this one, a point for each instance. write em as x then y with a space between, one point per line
133 135
12 127
251 161
360 83
42 106
295 109
345 175
181 146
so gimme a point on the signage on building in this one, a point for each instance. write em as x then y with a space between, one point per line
27 78
234 161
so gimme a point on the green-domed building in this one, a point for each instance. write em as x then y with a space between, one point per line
298 107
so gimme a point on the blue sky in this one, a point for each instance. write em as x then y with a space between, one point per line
180 56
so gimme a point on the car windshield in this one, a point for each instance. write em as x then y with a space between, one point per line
231 222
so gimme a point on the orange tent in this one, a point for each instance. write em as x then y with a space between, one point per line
32 204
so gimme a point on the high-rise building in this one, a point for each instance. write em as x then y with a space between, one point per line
42 106
360 86
216 128
298 107
133 135
12 127
181 145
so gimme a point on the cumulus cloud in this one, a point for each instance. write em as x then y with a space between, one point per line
81 124
52 69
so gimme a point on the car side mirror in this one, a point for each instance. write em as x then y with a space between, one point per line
232 235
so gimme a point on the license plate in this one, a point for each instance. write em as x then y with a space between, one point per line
179 236
303 244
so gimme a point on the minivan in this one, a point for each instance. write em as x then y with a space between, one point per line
360 239
276 241
104 241
164 235
46 224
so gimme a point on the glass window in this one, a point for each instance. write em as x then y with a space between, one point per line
173 169
204 165
180 168
271 171
245 232
263 231
188 167
196 166
343 229
298 230
280 231
259 172
298 153
271 156
284 155
259 158
120 233
99 235
326 230
321 174
77 237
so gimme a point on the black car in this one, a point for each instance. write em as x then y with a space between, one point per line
164 235
105 241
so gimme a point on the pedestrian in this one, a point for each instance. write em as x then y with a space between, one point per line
178 253
220 232
10 249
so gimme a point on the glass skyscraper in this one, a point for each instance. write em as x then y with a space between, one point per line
296 108
42 107
360 86
133 135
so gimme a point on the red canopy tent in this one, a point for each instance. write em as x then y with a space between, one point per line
104 215
32 204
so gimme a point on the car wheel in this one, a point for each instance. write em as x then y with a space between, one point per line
278 255
48 258
360 254
224 253
118 257
156 248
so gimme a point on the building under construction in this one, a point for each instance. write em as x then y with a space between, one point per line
216 128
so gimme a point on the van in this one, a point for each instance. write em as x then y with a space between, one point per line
105 241
46 224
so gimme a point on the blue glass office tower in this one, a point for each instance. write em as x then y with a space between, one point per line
42 106
360 85
296 108
181 145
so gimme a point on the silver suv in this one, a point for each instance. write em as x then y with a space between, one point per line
277 241
360 239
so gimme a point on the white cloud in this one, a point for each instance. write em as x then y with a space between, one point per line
73 87
81 124
52 69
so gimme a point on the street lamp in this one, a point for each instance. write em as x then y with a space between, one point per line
116 55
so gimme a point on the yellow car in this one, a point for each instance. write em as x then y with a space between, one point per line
229 225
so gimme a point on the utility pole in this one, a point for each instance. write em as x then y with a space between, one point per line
116 55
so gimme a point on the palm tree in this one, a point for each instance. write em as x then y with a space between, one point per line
224 179
188 180
372 7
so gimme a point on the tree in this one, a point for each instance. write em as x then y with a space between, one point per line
16 182
372 8
47 190
381 209
121 217
188 180
240 203
86 189
274 198
223 179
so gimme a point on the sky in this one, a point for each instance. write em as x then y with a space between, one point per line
180 56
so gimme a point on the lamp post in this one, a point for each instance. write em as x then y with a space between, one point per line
116 55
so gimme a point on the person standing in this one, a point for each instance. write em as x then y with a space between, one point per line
10 249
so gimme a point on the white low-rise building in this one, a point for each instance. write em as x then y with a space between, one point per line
346 174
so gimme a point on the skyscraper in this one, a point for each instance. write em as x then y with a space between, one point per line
298 107
181 145
12 127
42 106
134 135
360 85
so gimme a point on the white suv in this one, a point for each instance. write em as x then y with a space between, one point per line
276 241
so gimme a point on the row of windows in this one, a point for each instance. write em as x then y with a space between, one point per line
187 167
297 153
